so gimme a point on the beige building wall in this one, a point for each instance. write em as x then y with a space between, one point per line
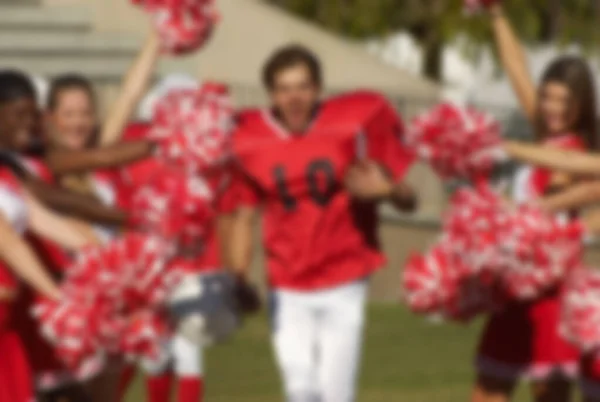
249 32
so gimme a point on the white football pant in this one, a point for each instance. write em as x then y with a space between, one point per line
317 337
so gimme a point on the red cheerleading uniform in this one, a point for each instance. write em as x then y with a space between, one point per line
523 339
315 235
15 375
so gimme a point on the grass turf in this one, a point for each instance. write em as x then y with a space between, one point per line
406 359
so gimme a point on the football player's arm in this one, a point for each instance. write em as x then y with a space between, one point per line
241 241
80 206
568 161
133 88
55 227
370 181
240 202
403 197
19 256
61 162
386 160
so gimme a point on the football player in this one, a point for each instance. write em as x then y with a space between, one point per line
315 172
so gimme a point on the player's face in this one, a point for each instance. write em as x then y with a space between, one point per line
294 95
72 121
555 99
17 122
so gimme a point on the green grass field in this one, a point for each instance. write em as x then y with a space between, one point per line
405 359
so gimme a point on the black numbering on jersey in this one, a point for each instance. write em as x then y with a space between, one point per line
320 177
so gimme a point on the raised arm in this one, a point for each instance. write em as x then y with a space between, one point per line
568 161
514 61
133 88
17 254
54 227
61 162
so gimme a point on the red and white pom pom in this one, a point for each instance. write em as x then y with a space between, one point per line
475 6
103 289
471 226
580 320
193 127
182 25
143 336
174 205
440 283
422 280
457 142
538 251
527 250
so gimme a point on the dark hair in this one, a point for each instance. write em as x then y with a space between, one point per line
15 85
11 161
291 56
576 75
66 82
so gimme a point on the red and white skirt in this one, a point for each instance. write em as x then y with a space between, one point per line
523 342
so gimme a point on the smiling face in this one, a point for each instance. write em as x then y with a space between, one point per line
567 101
558 110
17 122
294 94
71 118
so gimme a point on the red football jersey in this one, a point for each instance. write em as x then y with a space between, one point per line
141 172
315 234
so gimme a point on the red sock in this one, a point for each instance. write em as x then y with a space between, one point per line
158 388
190 389
127 376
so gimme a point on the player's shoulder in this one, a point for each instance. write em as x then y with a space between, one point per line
359 99
356 107
249 122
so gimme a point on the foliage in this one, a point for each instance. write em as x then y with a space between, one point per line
435 22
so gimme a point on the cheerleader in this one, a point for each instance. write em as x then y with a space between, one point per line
70 157
20 211
523 341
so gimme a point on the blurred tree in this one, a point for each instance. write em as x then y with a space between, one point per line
434 23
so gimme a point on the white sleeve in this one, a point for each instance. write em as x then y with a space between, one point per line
14 208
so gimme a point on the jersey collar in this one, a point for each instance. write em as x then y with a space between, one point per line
270 116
